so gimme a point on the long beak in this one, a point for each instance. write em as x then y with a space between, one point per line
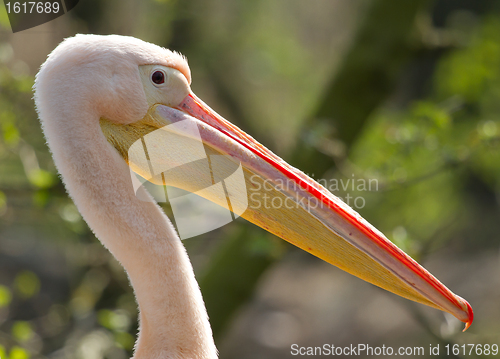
298 209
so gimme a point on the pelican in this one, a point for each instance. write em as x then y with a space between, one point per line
96 96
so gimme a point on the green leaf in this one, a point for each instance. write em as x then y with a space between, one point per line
25 84
3 202
19 353
432 112
27 284
22 331
10 133
40 198
41 178
124 340
117 320
4 22
5 297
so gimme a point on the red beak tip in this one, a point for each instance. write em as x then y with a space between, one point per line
470 314
467 325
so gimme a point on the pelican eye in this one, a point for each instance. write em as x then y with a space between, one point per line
158 77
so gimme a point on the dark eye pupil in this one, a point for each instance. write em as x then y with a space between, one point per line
158 77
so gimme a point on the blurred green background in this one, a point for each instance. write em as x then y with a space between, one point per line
406 93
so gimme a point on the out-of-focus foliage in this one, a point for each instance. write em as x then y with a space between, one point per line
437 145
54 273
